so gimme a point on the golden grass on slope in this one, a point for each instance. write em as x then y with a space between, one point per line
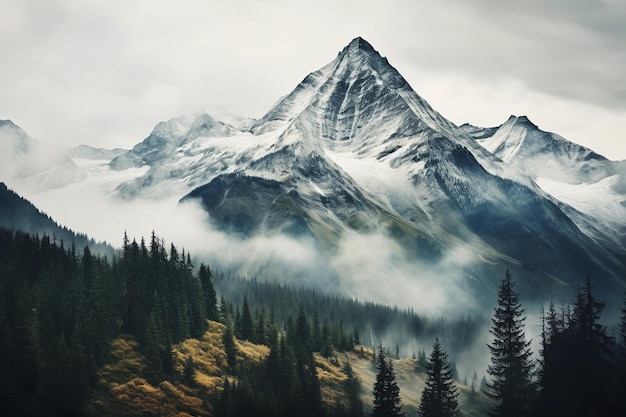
127 362
332 380
250 352
124 390
209 358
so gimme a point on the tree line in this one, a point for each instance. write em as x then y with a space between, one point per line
581 370
60 310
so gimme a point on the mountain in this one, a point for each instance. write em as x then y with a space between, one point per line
587 186
17 213
35 165
403 169
386 190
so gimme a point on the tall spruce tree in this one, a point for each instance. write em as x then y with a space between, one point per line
386 391
353 392
246 325
511 369
439 398
578 374
210 296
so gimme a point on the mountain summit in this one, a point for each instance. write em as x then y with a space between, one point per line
356 100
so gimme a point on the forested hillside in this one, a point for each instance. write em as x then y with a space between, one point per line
19 214
144 334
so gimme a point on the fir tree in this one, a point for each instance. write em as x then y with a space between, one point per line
439 398
247 325
353 392
229 346
386 391
578 374
210 296
511 367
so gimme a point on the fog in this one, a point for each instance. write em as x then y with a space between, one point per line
367 267
370 267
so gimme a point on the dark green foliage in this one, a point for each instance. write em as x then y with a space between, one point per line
439 398
60 310
421 360
386 391
511 367
164 302
17 213
285 384
229 346
578 374
56 322
246 325
189 371
210 296
353 392
339 314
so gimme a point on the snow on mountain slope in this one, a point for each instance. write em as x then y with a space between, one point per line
574 175
353 154
604 207
520 143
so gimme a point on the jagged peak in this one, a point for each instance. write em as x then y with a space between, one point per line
9 123
524 120
359 44
359 51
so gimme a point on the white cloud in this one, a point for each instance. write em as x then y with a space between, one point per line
104 73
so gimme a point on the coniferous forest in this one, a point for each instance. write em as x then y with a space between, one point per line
147 332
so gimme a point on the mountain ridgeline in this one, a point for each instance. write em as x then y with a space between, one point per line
17 213
353 153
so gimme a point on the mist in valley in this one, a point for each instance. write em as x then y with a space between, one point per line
369 267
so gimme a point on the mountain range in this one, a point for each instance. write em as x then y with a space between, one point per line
353 152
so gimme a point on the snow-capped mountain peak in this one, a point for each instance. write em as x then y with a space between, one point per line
354 150
520 143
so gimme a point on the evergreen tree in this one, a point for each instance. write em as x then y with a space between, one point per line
473 386
247 325
189 371
386 391
306 371
229 346
511 367
578 370
439 398
353 391
421 360
210 296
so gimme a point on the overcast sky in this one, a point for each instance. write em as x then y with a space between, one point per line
105 72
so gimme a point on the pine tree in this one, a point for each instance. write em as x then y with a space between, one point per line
511 367
306 372
247 325
439 398
353 391
210 296
229 346
386 391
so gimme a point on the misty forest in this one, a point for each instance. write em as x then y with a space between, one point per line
146 332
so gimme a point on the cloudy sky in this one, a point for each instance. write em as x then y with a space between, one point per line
105 72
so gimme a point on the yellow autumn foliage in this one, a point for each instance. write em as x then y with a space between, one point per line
123 389
332 380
